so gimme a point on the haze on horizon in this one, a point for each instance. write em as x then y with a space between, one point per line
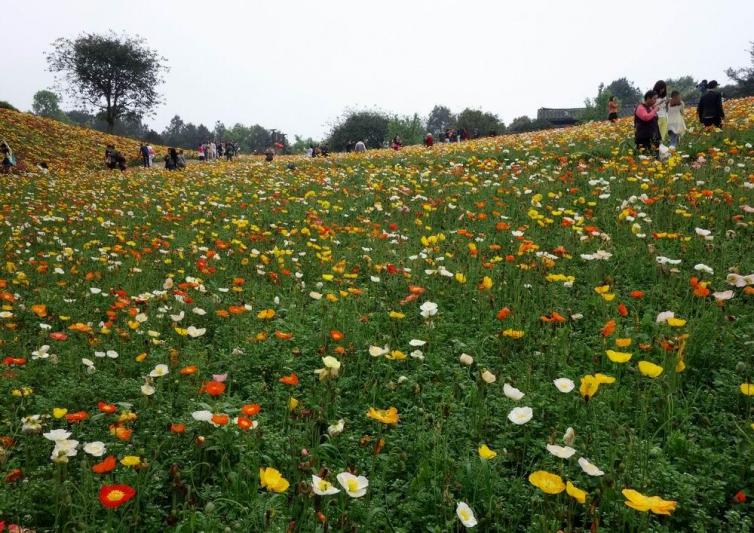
297 66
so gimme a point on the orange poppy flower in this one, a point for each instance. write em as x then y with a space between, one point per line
623 310
188 370
121 433
251 409
608 329
14 361
291 379
40 310
283 336
76 417
177 428
236 309
336 335
638 295
108 464
14 475
58 336
213 388
80 327
112 496
244 423
503 313
220 419
222 313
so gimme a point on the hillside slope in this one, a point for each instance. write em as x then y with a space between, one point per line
37 139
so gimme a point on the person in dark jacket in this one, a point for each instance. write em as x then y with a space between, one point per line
710 108
144 152
647 131
171 159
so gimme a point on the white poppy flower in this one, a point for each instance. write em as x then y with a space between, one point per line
520 415
202 416
199 311
315 295
178 317
564 452
466 359
569 436
376 351
354 486
159 371
564 385
57 435
337 428
195 332
428 309
701 267
416 343
589 468
722 296
488 377
664 316
512 392
322 487
95 449
465 514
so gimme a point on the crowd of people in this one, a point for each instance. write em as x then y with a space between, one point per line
658 120
210 150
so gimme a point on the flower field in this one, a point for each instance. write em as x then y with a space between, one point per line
538 332
63 147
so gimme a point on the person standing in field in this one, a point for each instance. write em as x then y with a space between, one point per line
710 109
9 160
661 88
676 123
150 149
646 129
360 147
612 109
429 141
144 151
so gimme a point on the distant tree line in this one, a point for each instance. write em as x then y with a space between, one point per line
114 78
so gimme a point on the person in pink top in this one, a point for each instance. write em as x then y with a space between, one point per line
646 129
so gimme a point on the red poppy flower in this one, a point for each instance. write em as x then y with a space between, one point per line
108 408
291 379
14 475
623 310
17 361
112 496
637 294
740 496
108 464
503 313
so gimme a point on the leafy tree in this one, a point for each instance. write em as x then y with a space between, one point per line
301 144
411 130
440 119
114 74
7 105
479 123
173 133
368 126
219 131
627 93
744 78
47 104
686 85
524 124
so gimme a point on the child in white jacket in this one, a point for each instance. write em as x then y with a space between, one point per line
676 123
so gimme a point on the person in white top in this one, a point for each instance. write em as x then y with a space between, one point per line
661 88
676 123
360 147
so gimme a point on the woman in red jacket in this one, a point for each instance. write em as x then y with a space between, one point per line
647 131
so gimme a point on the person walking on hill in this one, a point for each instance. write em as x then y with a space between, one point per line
9 160
710 108
676 123
661 88
144 151
647 131
612 109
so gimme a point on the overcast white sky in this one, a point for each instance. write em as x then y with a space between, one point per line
296 65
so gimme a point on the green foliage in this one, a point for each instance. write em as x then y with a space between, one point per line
410 129
479 123
439 120
114 74
624 90
47 104
524 124
744 78
368 126
686 85
302 144
7 105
